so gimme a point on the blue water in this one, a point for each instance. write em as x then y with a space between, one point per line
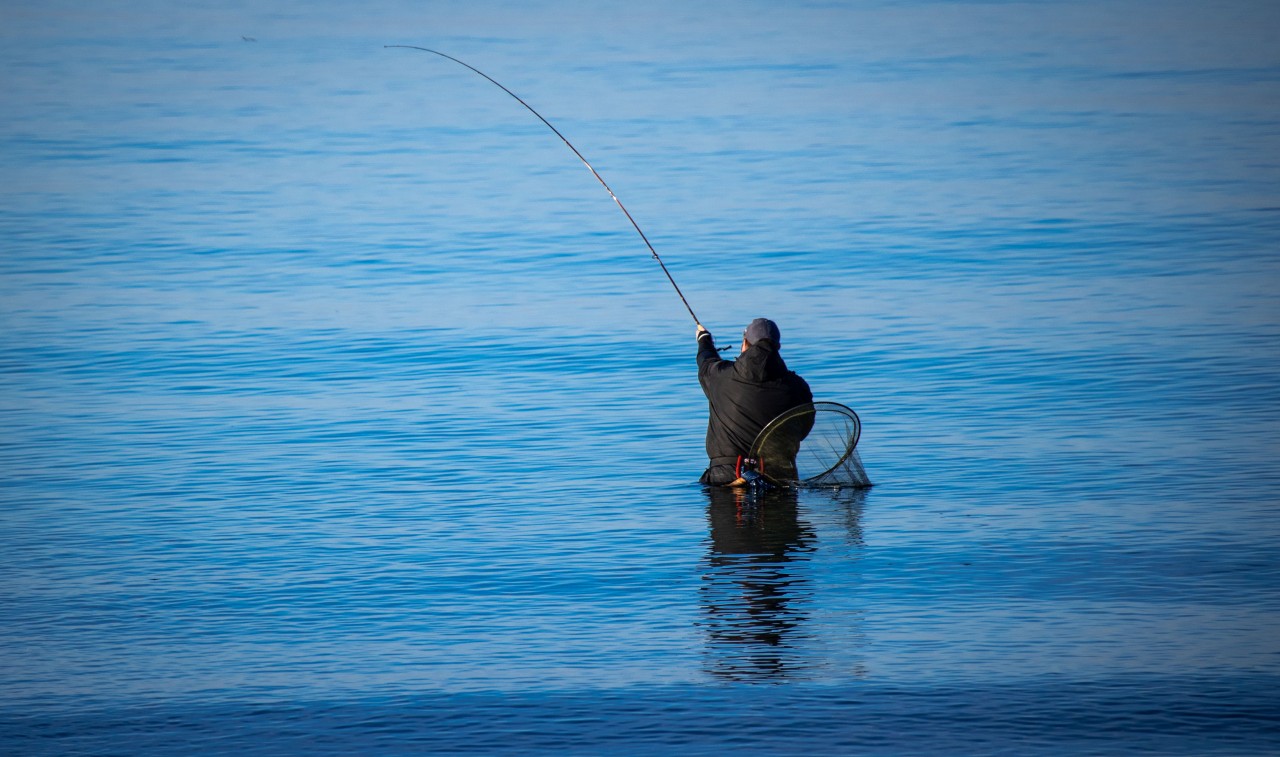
344 413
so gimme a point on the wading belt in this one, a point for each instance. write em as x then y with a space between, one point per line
740 463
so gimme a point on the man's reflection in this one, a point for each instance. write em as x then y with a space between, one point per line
754 590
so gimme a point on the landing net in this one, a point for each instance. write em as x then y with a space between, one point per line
813 445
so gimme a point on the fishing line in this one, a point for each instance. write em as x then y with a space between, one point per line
575 152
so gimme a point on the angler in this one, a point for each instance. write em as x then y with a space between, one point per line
764 426
743 395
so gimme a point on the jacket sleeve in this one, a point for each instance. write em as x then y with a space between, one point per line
707 352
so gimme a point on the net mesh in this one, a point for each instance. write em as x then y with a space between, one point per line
813 445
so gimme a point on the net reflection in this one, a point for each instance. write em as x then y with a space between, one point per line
754 591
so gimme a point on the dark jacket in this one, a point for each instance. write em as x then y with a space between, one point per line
743 396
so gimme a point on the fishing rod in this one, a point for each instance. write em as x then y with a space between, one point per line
594 173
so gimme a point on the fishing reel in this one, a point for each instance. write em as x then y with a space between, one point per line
750 476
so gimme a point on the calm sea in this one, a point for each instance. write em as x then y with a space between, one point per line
344 413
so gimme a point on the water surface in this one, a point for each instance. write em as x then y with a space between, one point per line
344 412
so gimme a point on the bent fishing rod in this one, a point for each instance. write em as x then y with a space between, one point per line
575 152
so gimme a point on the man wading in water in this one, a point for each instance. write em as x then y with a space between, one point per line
744 395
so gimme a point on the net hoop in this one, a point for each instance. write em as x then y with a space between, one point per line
789 433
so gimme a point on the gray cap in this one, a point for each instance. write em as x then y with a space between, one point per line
762 328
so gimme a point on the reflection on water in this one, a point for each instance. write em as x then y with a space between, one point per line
847 504
754 591
759 594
